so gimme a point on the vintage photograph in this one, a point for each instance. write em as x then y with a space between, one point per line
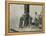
25 18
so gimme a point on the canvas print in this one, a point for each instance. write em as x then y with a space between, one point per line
25 18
